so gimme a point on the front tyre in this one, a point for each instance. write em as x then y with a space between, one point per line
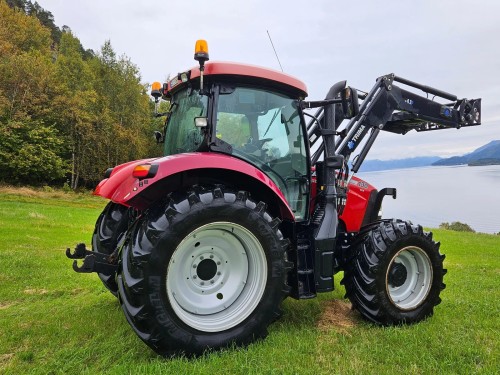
396 275
109 228
204 270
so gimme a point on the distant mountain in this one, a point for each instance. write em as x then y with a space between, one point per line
484 155
382 165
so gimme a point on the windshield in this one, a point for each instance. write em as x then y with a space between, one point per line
264 128
181 133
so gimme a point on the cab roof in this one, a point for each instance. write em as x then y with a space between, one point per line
248 73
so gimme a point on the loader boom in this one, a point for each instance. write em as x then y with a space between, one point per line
394 109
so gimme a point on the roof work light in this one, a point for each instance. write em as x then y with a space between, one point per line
201 55
155 90
201 51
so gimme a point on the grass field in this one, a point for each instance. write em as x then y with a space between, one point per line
53 320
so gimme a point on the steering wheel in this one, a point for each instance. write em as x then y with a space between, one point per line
255 145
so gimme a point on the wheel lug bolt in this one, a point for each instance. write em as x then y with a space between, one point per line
194 265
211 257
211 281
195 277
218 263
218 273
202 283
202 258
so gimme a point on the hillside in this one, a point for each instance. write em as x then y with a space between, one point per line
382 165
488 154
484 155
66 113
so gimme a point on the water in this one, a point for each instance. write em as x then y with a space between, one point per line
433 195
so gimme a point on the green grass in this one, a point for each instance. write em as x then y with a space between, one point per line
53 320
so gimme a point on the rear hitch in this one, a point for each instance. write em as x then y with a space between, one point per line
92 261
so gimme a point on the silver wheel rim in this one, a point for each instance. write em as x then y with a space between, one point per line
408 288
216 276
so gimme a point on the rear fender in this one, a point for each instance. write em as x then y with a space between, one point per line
184 170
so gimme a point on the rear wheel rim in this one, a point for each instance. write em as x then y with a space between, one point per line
217 276
409 278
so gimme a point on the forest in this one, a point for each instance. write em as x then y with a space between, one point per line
66 113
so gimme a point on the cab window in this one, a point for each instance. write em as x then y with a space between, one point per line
181 133
264 129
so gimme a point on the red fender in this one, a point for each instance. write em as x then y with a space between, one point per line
358 199
121 187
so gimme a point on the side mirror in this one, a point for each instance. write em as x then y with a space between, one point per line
350 103
158 136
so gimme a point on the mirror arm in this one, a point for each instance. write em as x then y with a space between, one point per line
302 104
348 99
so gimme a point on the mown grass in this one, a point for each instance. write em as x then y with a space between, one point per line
53 320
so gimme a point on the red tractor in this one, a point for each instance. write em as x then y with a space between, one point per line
255 201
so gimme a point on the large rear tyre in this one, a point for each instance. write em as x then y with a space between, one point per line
203 271
396 274
109 228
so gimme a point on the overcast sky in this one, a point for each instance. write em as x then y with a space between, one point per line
451 45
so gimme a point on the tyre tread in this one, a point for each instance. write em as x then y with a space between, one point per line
138 254
361 273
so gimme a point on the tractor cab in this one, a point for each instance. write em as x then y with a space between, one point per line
248 112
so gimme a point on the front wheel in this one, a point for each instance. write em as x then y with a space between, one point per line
109 228
396 274
203 271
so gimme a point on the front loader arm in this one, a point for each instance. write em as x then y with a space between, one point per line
391 108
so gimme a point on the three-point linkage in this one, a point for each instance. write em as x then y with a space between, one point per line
92 261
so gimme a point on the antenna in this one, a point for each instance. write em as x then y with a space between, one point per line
272 44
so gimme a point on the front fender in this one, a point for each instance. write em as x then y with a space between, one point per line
121 187
359 197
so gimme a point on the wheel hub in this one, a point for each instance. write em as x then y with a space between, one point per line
397 275
207 269
409 278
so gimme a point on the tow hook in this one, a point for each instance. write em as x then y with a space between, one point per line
92 261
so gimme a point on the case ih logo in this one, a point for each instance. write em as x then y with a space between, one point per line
363 185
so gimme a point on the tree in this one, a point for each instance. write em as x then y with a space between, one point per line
20 4
19 33
29 153
64 109
30 149
73 107
46 19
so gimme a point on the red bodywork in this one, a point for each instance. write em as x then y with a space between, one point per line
358 198
121 187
